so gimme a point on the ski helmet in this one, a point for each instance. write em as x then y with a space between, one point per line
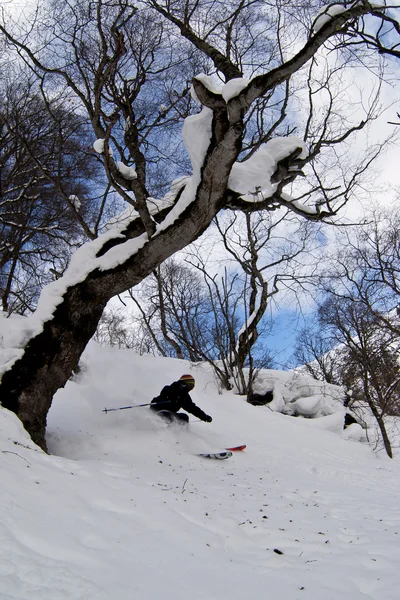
188 380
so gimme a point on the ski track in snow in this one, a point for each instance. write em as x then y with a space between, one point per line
124 509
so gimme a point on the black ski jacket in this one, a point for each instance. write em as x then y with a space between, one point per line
174 397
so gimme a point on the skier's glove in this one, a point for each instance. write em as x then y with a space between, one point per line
208 419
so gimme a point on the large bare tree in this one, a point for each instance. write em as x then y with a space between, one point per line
126 68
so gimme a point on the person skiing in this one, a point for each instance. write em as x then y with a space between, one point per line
176 396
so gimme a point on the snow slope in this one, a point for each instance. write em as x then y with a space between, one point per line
123 509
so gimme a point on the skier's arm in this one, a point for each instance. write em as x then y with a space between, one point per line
192 408
162 401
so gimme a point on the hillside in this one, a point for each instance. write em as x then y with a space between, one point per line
124 509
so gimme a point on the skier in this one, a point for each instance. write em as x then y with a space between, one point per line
176 396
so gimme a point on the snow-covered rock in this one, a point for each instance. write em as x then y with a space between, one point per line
307 407
296 394
354 432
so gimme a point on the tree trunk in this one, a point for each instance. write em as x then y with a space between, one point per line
49 359
385 437
382 427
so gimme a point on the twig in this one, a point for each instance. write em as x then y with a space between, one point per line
16 454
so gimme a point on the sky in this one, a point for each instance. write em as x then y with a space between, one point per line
124 508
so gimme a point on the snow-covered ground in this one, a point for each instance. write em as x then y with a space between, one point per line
124 509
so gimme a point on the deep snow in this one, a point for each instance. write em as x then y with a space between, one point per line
124 509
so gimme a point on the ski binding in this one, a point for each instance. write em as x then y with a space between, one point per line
216 455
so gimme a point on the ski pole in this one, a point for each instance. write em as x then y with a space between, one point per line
106 410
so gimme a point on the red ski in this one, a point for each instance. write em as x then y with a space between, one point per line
236 448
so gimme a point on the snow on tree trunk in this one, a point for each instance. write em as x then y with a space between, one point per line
49 359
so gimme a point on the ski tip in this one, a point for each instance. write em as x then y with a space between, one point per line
237 448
